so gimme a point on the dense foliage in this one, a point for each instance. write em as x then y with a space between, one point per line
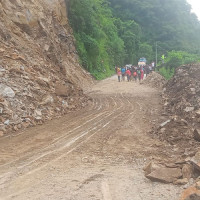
168 21
118 32
98 44
175 59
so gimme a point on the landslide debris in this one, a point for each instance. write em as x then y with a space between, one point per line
40 77
181 129
181 97
155 80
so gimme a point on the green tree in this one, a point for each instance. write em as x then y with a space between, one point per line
175 59
116 32
99 46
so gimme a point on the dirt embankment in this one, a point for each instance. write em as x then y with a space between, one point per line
181 96
154 80
40 77
181 129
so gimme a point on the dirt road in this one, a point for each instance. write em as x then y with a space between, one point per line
94 153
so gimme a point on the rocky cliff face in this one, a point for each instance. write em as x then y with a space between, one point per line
40 77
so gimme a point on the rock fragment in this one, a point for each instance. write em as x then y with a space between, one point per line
189 109
6 91
150 167
164 123
165 175
187 171
181 181
196 161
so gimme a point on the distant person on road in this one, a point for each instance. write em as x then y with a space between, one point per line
132 70
139 73
142 73
119 74
123 71
135 75
150 68
153 66
128 74
147 70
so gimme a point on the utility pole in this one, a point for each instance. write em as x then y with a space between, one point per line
156 54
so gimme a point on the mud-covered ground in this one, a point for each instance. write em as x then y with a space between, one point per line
96 153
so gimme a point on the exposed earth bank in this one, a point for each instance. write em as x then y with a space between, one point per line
40 77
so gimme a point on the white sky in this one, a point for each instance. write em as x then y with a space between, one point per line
195 7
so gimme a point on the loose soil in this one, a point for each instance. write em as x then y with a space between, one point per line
95 153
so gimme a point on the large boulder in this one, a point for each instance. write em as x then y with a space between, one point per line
165 175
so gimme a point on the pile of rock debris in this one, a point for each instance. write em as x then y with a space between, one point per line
155 80
40 77
181 96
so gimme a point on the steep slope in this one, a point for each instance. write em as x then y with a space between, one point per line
40 77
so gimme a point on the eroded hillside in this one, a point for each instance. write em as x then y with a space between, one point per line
40 77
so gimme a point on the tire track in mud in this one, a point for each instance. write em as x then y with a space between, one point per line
112 108
85 116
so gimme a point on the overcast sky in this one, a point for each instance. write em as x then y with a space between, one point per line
195 7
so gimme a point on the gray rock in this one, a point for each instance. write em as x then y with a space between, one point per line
6 91
165 175
38 113
189 109
38 118
193 89
165 123
2 69
47 100
7 122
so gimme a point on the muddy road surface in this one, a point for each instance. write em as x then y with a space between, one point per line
97 153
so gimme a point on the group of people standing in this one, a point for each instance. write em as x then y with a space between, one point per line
132 72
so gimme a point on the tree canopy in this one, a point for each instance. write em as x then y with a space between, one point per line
116 32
